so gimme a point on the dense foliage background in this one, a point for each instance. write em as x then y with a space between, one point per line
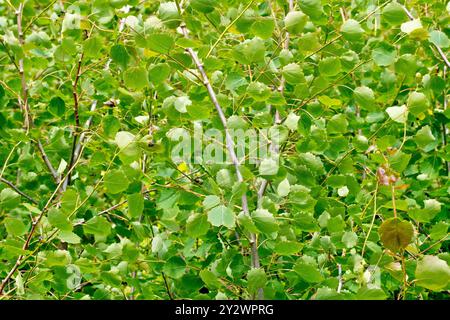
352 205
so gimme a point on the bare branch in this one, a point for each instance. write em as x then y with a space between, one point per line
24 98
339 278
229 142
47 161
23 194
77 145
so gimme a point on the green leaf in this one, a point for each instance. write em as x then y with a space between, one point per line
440 39
124 139
366 293
292 121
158 73
135 205
256 279
136 78
258 91
263 28
197 225
337 124
399 161
168 12
264 221
350 239
384 55
250 51
398 113
57 106
417 103
210 202
268 167
69 237
181 103
396 234
236 122
160 42
222 216
336 224
56 258
116 181
210 279
287 248
293 73
98 226
110 125
92 47
313 8
59 220
365 98
175 267
307 222
432 273
394 14
246 222
15 227
295 22
205 6
439 230
9 199
283 188
120 55
351 30
329 102
330 66
431 208
424 136
308 42
308 272
414 29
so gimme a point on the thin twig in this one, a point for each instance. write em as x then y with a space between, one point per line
78 143
339 278
76 114
23 194
114 207
340 35
277 119
373 220
444 127
24 99
228 27
39 15
167 286
47 161
393 200
441 53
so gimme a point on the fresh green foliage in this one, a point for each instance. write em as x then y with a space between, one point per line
107 108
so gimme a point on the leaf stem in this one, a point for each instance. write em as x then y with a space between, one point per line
373 219
393 200
228 28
